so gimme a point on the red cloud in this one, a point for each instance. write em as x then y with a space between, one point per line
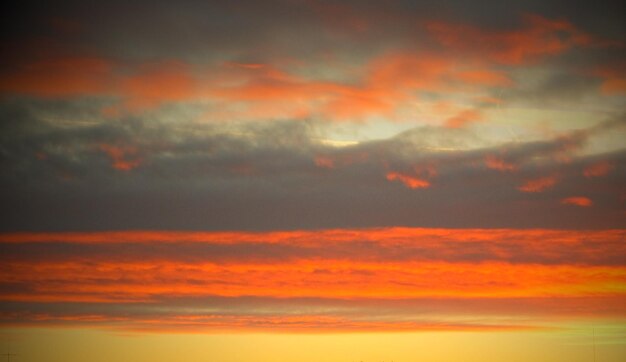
538 185
577 201
598 169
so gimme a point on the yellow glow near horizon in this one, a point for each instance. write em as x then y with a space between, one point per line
79 345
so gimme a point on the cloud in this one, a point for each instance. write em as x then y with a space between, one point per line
409 181
122 158
61 77
464 117
157 83
538 185
247 91
538 38
331 167
209 176
599 169
316 280
577 201
613 78
496 163
356 245
386 76
237 314
485 77
312 323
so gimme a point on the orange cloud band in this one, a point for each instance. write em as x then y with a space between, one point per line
493 271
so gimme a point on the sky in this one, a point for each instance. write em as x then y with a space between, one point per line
306 180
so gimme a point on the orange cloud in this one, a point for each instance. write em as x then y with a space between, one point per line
158 83
484 77
598 169
386 82
538 185
123 158
577 201
262 91
149 86
331 278
539 37
614 78
246 65
324 162
496 163
370 275
408 71
253 90
614 86
409 181
61 77
464 117
361 103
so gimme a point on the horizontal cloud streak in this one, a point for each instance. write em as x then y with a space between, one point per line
549 247
329 280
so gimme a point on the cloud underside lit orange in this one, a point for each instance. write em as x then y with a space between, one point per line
259 90
329 280
538 185
578 201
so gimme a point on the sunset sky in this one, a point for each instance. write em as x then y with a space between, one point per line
313 180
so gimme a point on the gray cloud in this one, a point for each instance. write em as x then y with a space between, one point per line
264 176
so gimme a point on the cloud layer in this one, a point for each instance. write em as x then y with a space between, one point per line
312 165
336 280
